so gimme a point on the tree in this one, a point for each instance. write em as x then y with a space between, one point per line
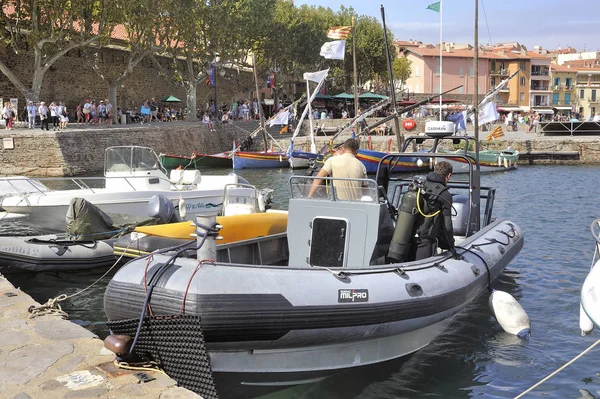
200 34
49 29
402 70
136 34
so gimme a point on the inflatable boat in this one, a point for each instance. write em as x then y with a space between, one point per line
322 297
53 253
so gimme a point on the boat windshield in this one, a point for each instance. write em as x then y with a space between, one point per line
131 159
332 189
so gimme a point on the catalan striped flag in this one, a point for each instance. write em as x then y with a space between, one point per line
496 133
339 32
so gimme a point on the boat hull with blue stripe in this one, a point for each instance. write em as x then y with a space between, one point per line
259 160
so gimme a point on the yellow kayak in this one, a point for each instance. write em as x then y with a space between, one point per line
235 228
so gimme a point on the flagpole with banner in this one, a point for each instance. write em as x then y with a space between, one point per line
437 7
356 107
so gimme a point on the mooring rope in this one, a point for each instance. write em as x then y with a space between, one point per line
52 306
589 348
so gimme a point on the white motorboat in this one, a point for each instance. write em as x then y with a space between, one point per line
132 176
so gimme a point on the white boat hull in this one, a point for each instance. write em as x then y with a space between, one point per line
47 212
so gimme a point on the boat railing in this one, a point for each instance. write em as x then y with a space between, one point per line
335 189
63 183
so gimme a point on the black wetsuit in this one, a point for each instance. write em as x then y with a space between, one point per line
439 227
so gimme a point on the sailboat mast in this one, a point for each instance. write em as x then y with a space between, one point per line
260 111
354 65
476 179
441 51
399 138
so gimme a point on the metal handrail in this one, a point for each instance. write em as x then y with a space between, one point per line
79 182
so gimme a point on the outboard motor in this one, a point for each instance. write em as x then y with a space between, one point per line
161 208
407 216
460 221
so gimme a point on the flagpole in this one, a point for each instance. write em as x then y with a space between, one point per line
441 71
354 63
260 110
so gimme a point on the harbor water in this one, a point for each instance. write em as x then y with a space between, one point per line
554 205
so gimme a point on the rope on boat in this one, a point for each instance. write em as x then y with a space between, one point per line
145 366
589 348
52 306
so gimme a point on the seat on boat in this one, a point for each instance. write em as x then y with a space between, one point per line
185 178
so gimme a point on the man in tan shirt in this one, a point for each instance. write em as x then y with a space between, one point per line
344 165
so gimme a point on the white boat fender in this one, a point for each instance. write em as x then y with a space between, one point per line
510 314
585 323
182 208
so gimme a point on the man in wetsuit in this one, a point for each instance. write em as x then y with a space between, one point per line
436 228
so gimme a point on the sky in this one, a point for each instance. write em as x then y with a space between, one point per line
547 23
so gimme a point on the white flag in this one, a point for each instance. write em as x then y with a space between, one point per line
280 119
488 113
315 76
334 50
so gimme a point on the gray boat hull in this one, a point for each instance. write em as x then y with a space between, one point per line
288 320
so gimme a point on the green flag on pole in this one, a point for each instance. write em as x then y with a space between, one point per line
434 6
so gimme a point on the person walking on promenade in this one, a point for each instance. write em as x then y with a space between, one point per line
52 109
64 118
59 113
153 110
8 114
87 111
31 112
43 111
80 118
109 113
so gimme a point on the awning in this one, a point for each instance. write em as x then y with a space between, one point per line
544 111
371 96
509 109
525 108
563 108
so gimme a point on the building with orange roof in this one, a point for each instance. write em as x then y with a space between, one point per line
457 69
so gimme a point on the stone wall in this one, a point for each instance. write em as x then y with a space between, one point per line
72 80
81 152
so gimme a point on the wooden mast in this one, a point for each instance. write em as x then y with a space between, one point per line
260 110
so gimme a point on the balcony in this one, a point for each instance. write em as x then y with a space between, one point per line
539 88
562 88
592 99
500 72
540 73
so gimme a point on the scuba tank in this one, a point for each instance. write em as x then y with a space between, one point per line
416 214
404 232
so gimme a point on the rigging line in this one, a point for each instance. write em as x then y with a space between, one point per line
486 22
589 348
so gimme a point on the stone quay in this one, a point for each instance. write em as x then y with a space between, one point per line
79 151
49 357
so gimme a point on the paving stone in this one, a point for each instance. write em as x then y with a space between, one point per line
23 364
13 338
163 380
58 329
179 393
87 393
71 364
132 390
51 385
